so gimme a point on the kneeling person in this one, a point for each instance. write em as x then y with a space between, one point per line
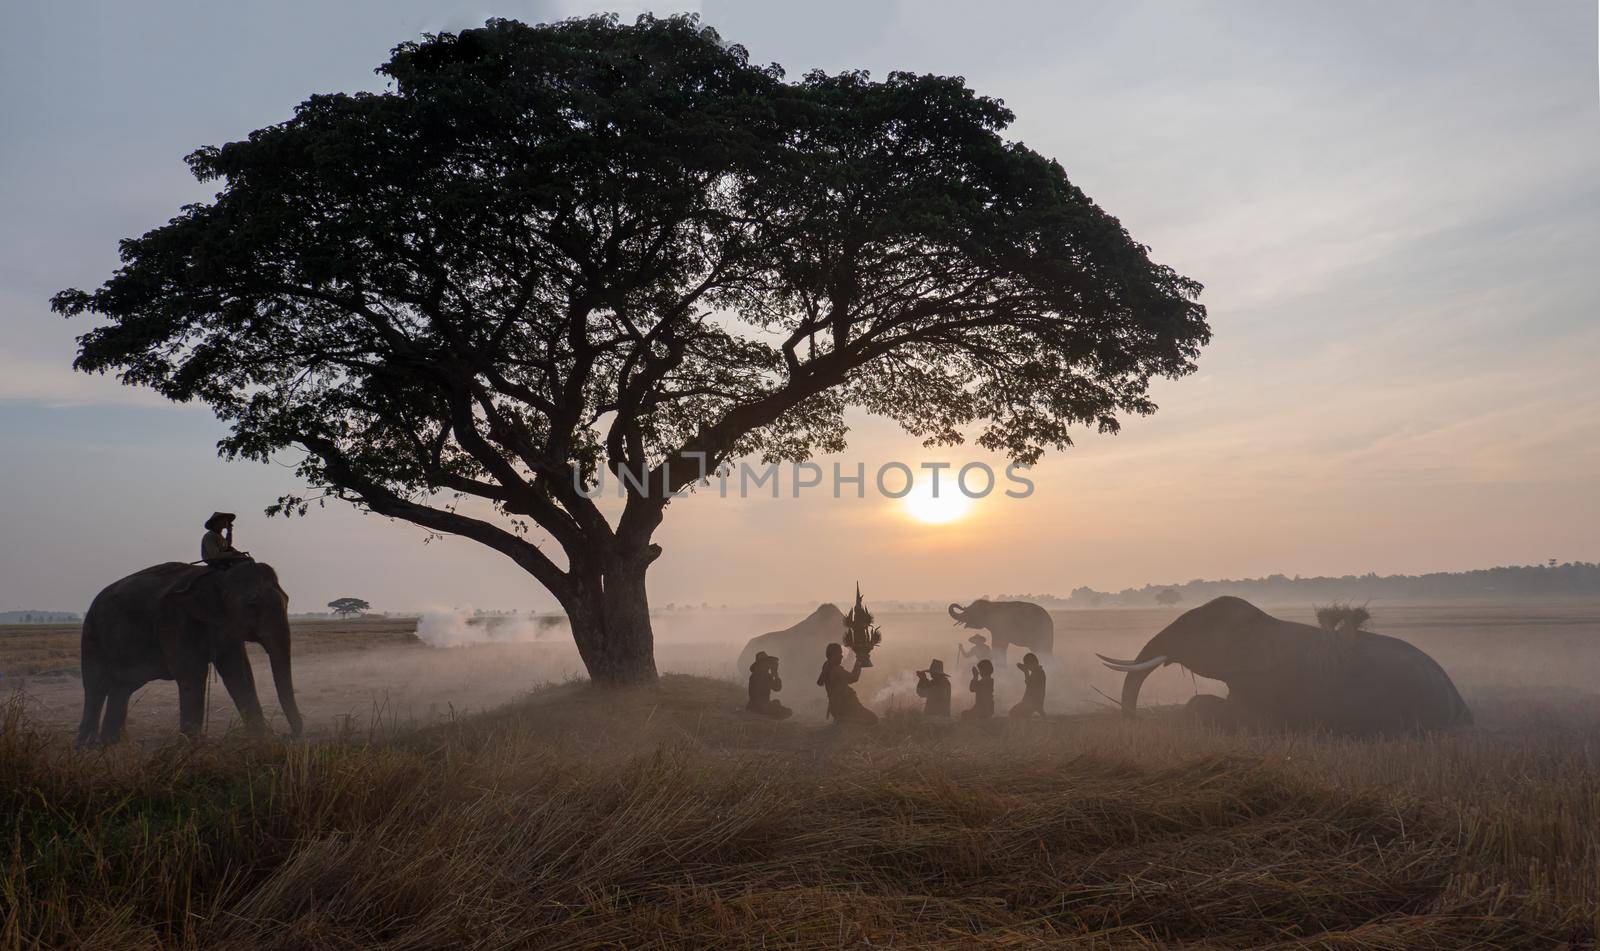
933 685
1032 703
843 704
764 682
982 688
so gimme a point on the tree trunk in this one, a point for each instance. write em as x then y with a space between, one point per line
610 617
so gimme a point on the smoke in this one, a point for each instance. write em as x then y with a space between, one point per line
460 627
901 689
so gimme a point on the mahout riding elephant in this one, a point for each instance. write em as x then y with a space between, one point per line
170 622
1284 675
1009 622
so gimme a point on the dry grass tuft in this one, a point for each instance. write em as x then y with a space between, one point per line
666 819
1343 616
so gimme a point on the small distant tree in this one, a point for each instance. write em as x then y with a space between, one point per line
1168 596
344 607
548 252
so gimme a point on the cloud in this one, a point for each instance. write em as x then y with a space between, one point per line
1395 211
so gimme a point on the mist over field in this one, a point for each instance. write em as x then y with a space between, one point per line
1479 835
1519 666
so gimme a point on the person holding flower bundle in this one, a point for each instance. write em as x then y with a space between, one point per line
843 704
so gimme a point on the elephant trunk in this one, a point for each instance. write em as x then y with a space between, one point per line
1152 657
283 680
956 613
1130 691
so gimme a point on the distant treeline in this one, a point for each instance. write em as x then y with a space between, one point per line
1573 579
39 617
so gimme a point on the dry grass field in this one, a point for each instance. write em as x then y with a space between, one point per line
443 802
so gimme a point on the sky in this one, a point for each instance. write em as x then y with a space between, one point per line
1395 209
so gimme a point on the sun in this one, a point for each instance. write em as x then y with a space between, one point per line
951 504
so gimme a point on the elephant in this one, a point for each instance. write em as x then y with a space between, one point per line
169 622
1284 675
803 642
1009 622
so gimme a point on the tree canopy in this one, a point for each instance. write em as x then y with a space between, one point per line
547 250
343 607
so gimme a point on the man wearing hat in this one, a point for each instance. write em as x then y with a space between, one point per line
216 545
933 686
979 651
763 683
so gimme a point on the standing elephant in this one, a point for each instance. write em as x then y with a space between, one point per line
170 622
1286 675
1009 622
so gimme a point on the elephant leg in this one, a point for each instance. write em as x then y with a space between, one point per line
998 654
234 666
192 702
116 714
94 700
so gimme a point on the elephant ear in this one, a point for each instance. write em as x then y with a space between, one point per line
1255 650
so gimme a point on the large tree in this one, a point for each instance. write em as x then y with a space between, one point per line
545 251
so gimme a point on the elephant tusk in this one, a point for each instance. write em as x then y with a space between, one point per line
1130 667
1113 660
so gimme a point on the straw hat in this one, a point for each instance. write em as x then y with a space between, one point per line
218 520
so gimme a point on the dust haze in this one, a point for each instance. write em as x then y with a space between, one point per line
1520 667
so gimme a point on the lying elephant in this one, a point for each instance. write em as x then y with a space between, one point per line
1009 622
1286 675
170 622
801 644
